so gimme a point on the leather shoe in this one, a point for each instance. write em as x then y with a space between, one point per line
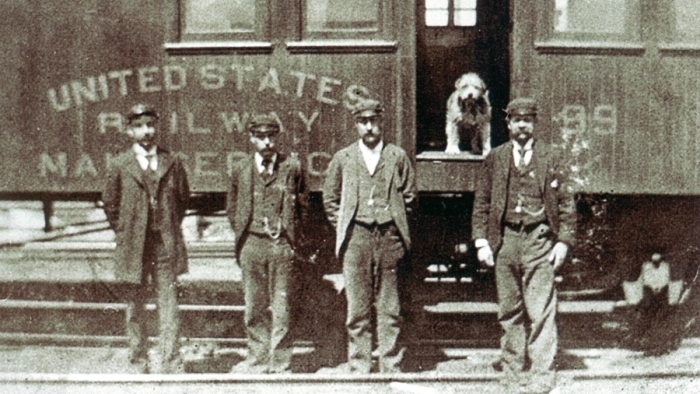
140 365
497 366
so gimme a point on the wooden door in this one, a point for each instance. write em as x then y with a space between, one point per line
464 36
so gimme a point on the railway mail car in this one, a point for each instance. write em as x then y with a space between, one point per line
615 81
618 88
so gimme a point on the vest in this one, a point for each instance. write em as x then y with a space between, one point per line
373 198
525 203
268 196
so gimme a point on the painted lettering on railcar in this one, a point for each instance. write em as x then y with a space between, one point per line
212 76
311 93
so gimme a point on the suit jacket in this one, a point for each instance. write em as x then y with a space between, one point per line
239 202
490 197
341 189
126 203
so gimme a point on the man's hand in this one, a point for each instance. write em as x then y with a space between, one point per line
558 255
485 255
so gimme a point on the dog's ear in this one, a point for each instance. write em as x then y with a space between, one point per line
484 88
485 99
460 81
484 104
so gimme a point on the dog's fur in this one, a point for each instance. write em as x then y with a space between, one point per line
468 123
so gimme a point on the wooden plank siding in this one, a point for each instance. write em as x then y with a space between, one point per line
315 117
651 144
70 68
57 59
332 126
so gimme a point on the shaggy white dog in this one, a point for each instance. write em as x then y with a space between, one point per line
468 123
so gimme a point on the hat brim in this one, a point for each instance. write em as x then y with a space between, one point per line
133 117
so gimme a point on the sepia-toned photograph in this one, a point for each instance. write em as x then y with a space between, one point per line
350 196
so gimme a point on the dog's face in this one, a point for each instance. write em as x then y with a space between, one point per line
468 116
471 90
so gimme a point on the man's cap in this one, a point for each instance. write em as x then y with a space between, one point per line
139 110
522 106
263 122
367 105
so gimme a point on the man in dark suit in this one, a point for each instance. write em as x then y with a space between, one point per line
524 218
368 189
145 201
266 202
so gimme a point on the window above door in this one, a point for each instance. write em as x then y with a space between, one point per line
450 13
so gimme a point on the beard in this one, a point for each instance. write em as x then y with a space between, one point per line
521 137
267 153
371 139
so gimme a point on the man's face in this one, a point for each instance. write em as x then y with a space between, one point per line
522 127
368 124
142 130
263 139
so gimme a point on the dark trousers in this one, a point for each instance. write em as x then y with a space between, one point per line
267 273
163 280
370 265
527 303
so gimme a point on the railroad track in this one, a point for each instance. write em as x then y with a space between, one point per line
461 370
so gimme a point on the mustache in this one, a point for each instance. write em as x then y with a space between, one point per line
268 152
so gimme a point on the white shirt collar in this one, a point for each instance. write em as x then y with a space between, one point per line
528 145
146 158
259 163
376 150
527 149
141 151
371 155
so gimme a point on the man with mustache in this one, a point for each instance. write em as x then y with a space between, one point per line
265 204
145 200
523 223
368 189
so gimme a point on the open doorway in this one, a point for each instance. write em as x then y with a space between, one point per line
456 37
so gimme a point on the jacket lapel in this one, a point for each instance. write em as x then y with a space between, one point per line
384 158
502 169
357 164
542 153
247 180
164 164
132 168
388 158
277 167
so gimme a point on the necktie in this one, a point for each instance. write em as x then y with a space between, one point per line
521 159
266 168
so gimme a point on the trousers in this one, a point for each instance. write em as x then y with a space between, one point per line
370 265
267 273
162 278
527 303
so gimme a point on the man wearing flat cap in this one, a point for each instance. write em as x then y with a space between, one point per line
369 187
265 206
145 200
523 223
